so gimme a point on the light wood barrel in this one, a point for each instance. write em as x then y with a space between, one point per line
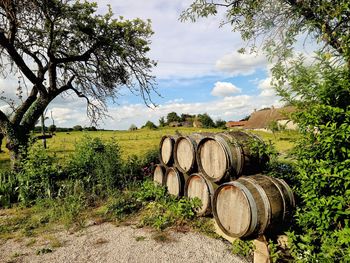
197 186
227 155
252 205
159 174
175 181
166 148
185 149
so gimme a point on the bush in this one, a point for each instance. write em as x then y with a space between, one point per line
8 188
97 164
322 94
38 176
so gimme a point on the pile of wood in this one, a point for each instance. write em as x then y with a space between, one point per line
221 170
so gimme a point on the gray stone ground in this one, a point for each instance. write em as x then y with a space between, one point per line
107 243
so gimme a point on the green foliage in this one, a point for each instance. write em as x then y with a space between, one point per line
8 188
206 120
262 151
123 204
169 211
172 117
137 168
220 124
323 167
162 122
97 164
38 176
52 128
276 26
150 125
243 247
77 128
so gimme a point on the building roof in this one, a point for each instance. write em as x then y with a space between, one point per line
261 119
230 124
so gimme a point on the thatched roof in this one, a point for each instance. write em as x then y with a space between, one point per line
261 119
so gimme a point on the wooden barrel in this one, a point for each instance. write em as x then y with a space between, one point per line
227 155
185 149
159 174
197 186
252 205
175 181
166 148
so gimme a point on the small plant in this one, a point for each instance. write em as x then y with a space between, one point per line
44 250
243 247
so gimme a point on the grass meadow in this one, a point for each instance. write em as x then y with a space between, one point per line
140 141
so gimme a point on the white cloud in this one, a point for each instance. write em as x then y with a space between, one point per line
224 89
241 64
266 89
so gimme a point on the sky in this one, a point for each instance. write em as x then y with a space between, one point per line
199 71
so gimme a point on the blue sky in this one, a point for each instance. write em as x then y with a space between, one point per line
199 70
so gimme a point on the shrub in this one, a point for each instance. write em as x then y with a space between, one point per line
8 188
38 176
97 164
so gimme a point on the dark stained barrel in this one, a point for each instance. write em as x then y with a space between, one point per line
166 148
228 155
252 205
159 174
197 186
175 181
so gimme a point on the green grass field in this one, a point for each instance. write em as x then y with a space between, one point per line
140 141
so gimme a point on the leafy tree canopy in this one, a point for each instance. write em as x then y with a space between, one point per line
62 47
276 24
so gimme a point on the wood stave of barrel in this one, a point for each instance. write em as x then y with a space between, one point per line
185 152
198 186
252 205
272 213
226 156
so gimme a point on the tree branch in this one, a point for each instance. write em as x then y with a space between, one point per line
4 42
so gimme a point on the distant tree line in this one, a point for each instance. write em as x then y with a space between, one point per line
186 120
53 128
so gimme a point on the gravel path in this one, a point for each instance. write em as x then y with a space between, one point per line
107 243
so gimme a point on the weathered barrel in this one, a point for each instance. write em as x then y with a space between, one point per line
166 148
252 205
185 149
175 181
197 186
228 155
159 174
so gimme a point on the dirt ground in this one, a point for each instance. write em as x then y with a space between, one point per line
108 243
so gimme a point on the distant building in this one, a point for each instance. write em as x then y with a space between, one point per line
197 124
260 120
236 124
175 124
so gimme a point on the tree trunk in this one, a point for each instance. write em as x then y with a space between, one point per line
1 138
17 143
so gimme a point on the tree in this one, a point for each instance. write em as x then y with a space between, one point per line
278 23
52 128
64 47
321 93
220 124
1 138
132 127
150 125
162 122
206 120
77 128
172 117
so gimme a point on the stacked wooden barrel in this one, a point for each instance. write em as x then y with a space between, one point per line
222 171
